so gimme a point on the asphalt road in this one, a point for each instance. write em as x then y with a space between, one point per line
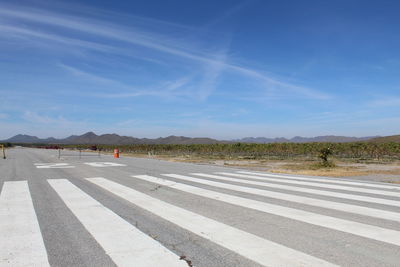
101 211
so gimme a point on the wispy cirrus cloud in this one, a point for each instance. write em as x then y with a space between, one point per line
226 70
211 60
392 101
21 31
34 117
121 90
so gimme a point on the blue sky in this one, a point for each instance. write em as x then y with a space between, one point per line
221 69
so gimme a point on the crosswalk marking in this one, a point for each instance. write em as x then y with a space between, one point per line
330 186
374 185
53 166
104 164
248 245
321 191
360 229
125 244
21 242
382 214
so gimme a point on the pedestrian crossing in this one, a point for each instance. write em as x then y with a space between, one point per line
327 186
299 199
318 192
245 244
124 243
364 230
22 244
324 181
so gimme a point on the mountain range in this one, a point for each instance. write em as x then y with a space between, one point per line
115 139
109 139
299 139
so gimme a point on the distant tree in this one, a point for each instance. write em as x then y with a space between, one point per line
324 154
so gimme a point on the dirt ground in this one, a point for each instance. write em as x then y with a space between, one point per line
382 171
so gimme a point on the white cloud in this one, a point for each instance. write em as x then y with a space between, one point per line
393 101
21 31
154 41
166 89
33 117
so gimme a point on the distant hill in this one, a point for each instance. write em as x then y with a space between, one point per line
115 139
110 139
299 139
262 140
23 138
386 139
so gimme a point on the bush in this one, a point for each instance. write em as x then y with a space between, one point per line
324 153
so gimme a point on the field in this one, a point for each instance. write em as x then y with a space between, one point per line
376 161
362 151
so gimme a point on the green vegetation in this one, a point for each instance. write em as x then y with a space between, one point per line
324 153
358 150
385 139
6 144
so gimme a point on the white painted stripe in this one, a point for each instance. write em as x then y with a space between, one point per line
327 180
306 190
53 166
339 187
350 227
124 243
371 212
21 242
245 244
104 164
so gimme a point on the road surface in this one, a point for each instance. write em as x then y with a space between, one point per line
101 211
